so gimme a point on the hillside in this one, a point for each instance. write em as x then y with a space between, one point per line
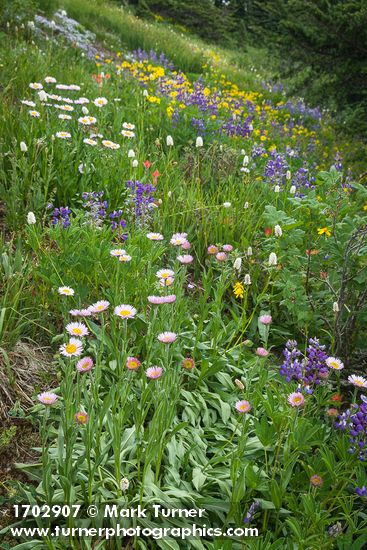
183 266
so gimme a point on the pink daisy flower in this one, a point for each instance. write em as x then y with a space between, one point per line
47 398
296 399
357 381
100 306
265 319
80 312
156 300
186 245
221 256
81 417
243 406
212 249
262 352
178 241
85 364
125 311
188 363
316 480
227 247
169 299
185 259
167 337
154 372
132 363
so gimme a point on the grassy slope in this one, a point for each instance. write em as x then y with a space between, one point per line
210 321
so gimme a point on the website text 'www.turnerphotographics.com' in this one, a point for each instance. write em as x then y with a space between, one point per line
113 511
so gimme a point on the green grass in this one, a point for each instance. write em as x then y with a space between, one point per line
180 440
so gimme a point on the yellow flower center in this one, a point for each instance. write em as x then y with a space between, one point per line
71 348
124 312
77 330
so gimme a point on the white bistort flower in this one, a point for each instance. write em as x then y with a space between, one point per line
31 218
278 231
273 260
237 264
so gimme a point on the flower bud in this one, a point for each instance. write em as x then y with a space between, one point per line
169 141
124 484
247 279
292 190
199 142
23 147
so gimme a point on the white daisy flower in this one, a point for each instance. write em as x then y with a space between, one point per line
28 103
99 306
155 236
127 133
36 86
63 135
72 349
100 101
117 252
110 144
65 291
89 141
334 363
165 273
87 120
77 329
125 311
357 381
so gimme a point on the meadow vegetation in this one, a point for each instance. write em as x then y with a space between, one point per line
183 272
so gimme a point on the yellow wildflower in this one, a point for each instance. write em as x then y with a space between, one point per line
324 231
238 290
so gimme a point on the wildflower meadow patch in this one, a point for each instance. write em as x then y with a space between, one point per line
184 305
